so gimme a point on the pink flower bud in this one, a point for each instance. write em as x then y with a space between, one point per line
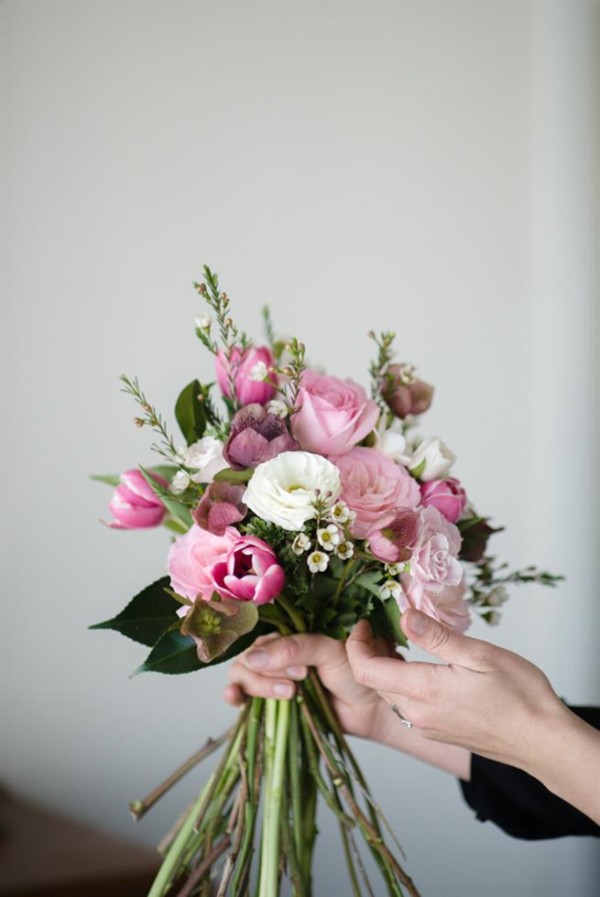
240 369
134 505
404 398
448 496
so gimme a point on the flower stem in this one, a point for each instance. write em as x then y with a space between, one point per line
276 739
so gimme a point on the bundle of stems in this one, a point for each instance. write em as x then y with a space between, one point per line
254 824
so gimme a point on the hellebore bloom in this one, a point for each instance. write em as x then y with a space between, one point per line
134 504
255 437
220 506
394 536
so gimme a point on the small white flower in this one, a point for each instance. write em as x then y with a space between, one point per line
497 597
204 322
277 408
328 537
394 569
180 482
259 371
317 562
340 512
300 544
432 460
206 457
390 589
345 550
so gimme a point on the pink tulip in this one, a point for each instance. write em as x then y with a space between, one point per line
448 496
134 504
250 572
240 369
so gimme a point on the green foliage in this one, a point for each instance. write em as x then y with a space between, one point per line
385 621
235 477
176 508
110 479
146 616
190 412
175 653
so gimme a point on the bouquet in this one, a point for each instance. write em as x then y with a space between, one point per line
299 503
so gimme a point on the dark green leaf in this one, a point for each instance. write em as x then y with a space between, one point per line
146 616
175 653
190 413
385 620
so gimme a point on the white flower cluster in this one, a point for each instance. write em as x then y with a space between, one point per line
332 539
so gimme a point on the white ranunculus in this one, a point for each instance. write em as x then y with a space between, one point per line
284 489
206 458
431 460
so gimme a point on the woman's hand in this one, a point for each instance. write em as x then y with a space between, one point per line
273 665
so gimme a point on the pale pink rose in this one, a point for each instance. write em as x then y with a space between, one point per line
372 485
192 558
243 367
435 559
448 496
333 416
134 504
448 605
249 573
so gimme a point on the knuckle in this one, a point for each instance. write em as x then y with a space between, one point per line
286 651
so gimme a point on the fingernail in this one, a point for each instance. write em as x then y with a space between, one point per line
283 689
417 622
258 660
297 672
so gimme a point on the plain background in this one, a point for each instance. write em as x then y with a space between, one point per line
427 167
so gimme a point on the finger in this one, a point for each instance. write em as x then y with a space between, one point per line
368 666
295 652
234 695
442 642
260 686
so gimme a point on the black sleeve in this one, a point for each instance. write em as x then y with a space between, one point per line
519 804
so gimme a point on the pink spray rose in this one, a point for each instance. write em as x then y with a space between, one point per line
435 561
134 504
333 416
192 558
245 367
249 573
372 485
393 538
448 605
448 496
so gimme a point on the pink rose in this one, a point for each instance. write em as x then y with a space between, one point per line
333 416
448 605
192 558
435 559
372 485
134 504
244 368
448 496
393 537
249 573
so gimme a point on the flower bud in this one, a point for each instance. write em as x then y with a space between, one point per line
403 394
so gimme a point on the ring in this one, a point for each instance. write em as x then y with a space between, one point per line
405 722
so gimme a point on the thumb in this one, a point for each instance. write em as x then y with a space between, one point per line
442 642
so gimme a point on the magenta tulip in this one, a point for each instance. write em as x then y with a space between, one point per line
242 371
134 504
250 572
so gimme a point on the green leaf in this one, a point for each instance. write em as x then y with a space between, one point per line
146 616
175 653
236 477
370 582
385 620
418 470
190 413
111 479
178 511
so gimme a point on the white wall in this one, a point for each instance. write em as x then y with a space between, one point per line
423 166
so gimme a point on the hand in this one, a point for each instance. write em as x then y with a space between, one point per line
483 698
272 666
